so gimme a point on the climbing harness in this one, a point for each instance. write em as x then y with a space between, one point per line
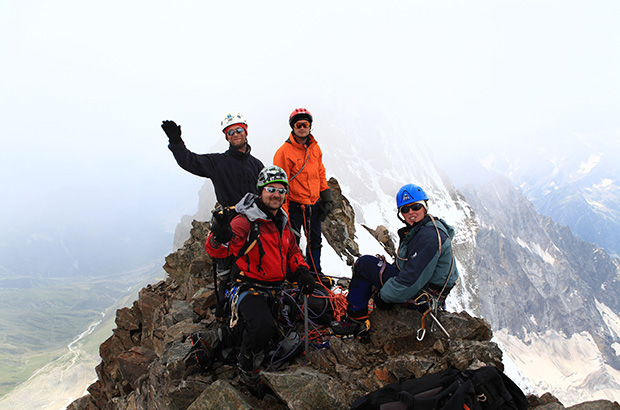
433 299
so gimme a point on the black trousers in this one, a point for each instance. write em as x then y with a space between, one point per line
259 326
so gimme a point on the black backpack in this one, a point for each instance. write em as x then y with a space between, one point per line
484 389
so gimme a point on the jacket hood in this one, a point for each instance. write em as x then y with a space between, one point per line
248 207
291 140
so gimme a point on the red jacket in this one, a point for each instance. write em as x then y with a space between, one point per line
305 187
268 260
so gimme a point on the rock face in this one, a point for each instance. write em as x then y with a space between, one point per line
339 228
145 362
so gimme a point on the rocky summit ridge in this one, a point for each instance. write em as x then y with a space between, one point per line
144 361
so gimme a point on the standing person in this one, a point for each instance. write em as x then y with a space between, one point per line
260 268
310 199
233 172
424 262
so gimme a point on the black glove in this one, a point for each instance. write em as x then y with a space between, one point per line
382 304
305 280
220 226
173 131
325 203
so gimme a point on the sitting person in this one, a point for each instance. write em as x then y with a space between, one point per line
424 263
260 268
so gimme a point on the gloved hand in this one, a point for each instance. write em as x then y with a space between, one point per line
173 131
325 204
305 280
382 304
220 226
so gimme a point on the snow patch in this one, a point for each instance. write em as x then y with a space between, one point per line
616 347
587 166
537 250
565 366
605 183
611 319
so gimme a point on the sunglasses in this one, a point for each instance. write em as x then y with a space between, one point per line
299 125
273 190
232 132
405 209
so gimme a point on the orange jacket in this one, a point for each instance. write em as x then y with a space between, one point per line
304 187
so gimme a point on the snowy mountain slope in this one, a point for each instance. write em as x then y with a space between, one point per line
575 181
560 327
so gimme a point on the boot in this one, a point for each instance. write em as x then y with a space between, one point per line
249 369
349 327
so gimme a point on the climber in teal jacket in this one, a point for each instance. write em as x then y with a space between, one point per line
424 263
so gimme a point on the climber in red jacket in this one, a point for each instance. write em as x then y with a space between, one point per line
259 267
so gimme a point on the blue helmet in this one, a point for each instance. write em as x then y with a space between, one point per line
409 194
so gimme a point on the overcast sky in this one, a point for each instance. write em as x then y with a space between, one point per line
85 85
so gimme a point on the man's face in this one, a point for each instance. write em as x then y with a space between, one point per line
238 139
301 128
274 200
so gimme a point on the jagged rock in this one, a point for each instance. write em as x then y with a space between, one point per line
180 310
596 405
339 227
551 406
191 259
203 300
220 396
134 363
463 353
181 331
405 365
128 319
397 330
150 303
174 358
349 354
546 398
382 235
83 403
306 388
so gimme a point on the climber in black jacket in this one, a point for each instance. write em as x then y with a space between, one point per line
233 173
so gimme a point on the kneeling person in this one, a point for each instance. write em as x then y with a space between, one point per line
261 268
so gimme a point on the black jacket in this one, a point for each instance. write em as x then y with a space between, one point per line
233 173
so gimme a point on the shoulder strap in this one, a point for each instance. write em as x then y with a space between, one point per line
251 240
451 261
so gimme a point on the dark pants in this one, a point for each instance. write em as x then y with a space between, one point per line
366 275
259 327
311 225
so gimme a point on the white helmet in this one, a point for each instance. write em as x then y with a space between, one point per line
233 118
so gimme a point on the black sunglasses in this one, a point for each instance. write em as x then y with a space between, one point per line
405 209
237 130
273 190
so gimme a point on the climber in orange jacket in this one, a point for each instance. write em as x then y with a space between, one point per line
310 198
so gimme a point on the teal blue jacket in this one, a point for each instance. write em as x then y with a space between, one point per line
420 262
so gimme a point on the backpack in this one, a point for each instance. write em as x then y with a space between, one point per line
496 390
486 388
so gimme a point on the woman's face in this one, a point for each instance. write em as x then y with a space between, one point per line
413 213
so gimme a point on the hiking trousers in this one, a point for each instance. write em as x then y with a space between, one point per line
259 326
366 276
312 229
